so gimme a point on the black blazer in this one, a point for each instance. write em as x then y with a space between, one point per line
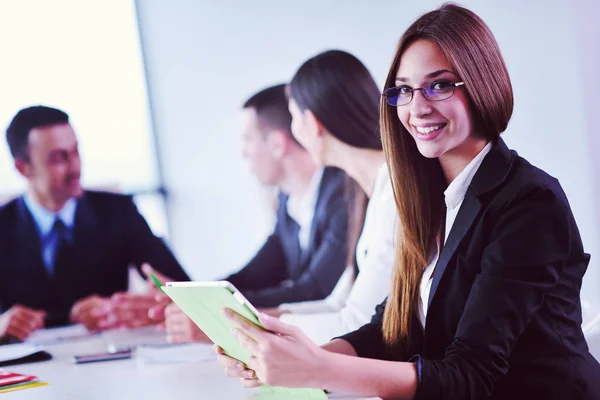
504 316
109 234
280 273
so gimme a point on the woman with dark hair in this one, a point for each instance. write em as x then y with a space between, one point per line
334 103
485 300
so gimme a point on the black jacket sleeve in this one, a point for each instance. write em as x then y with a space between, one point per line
145 247
368 340
326 264
266 269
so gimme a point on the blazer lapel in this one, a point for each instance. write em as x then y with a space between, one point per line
28 238
321 197
466 215
85 230
493 170
311 238
293 245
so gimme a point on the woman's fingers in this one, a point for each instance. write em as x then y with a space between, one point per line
229 362
250 329
237 369
251 383
253 364
275 325
235 373
246 341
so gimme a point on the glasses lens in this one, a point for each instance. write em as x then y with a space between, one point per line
439 91
397 96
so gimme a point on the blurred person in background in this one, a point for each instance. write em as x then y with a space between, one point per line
65 251
306 254
334 103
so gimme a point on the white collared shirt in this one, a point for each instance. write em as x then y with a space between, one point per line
352 302
45 218
302 208
454 196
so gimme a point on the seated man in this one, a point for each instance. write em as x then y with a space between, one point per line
64 251
306 254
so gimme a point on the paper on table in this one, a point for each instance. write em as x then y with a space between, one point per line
176 353
122 339
14 351
59 335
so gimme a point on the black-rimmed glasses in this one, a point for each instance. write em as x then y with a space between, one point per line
435 91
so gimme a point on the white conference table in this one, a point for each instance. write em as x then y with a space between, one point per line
127 379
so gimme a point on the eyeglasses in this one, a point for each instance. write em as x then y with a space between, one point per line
435 91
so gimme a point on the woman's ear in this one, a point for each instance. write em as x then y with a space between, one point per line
313 124
319 143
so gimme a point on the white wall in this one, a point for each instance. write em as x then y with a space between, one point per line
588 61
62 55
205 58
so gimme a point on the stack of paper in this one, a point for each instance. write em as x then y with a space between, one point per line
61 334
176 353
11 381
125 339
22 353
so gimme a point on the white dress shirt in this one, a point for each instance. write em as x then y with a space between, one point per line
454 196
302 208
352 302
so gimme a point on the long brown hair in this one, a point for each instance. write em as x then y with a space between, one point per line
339 90
418 183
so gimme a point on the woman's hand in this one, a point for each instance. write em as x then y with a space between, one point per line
237 369
274 312
281 354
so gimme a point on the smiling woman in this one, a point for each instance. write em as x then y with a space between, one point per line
485 298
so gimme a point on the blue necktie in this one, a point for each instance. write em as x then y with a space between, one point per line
63 249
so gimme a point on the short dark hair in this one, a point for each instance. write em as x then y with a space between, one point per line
271 106
17 133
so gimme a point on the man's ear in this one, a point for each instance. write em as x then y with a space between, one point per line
278 142
24 167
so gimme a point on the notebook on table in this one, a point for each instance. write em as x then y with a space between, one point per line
12 354
11 381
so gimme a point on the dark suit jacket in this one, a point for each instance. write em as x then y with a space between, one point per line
109 234
504 316
279 273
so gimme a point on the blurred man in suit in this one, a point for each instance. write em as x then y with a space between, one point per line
65 251
306 254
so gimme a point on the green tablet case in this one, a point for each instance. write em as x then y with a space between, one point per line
204 304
